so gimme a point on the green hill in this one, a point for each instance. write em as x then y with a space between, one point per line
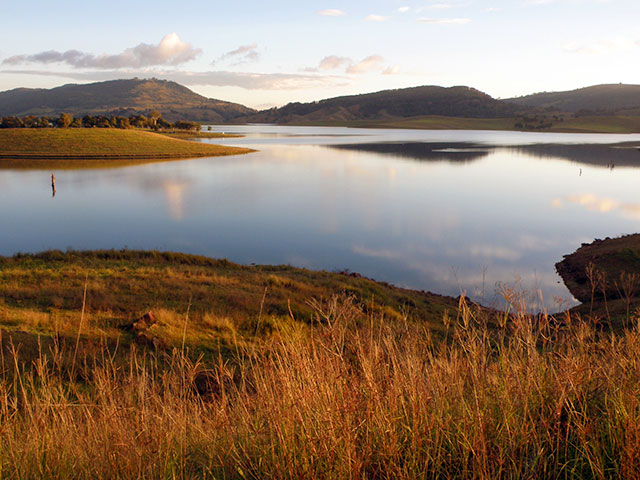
618 98
120 97
390 105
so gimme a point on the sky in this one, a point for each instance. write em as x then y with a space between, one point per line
269 53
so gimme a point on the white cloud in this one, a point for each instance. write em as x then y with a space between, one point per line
375 18
440 6
247 81
331 12
242 54
373 62
391 70
333 62
403 9
170 51
444 21
369 64
602 46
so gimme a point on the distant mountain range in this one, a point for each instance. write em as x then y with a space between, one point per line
120 97
176 102
392 104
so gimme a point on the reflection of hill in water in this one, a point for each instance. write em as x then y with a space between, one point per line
437 152
619 155
604 155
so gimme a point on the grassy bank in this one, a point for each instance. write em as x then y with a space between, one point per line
356 396
100 144
278 372
228 304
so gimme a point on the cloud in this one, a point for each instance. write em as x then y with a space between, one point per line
373 62
170 51
600 47
242 54
445 21
391 70
367 65
333 62
376 18
331 12
248 81
440 6
403 9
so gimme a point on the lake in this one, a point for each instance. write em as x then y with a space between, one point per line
445 211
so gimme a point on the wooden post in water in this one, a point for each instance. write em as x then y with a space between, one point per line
53 185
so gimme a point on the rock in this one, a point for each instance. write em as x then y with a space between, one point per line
141 324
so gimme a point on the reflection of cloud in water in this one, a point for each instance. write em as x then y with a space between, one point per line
593 203
174 194
483 272
496 252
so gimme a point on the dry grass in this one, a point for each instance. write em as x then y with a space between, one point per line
100 143
352 396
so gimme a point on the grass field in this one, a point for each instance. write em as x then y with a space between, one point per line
304 375
599 124
94 143
593 124
41 294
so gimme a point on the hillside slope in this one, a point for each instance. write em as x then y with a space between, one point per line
120 97
598 98
391 104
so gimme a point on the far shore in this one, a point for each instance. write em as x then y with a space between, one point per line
586 124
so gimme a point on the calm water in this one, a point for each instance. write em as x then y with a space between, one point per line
446 211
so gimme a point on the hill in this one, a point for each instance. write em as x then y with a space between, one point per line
618 98
120 97
391 104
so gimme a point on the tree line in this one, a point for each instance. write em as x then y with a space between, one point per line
66 120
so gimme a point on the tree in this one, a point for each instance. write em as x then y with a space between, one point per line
11 122
186 125
139 121
64 120
154 116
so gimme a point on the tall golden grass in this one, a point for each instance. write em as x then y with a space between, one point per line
355 396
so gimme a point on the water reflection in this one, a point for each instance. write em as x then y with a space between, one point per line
472 214
447 152
602 155
594 203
